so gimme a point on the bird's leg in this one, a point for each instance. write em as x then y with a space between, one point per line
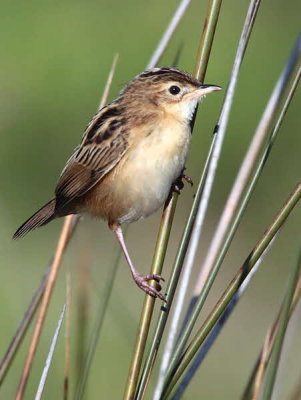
178 184
141 280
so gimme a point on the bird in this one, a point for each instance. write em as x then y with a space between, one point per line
131 155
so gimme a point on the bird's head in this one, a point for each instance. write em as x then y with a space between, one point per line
167 89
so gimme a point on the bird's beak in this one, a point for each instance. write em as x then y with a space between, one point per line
202 91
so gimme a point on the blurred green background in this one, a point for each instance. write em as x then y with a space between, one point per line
55 57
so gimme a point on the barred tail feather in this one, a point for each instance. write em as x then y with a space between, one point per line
41 217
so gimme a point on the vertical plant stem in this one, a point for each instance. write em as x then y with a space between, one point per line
163 235
279 337
264 358
148 306
247 166
232 288
69 224
44 307
205 46
28 315
22 329
214 334
67 338
170 30
212 260
85 361
212 168
106 91
211 337
210 176
50 356
164 311
206 38
261 367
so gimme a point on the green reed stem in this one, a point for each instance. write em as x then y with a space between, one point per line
205 45
167 218
250 387
259 168
149 302
280 333
206 38
218 139
231 290
212 262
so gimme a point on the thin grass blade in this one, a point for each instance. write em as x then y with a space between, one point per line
43 379
66 384
205 46
28 315
23 326
213 335
203 351
203 205
171 288
149 302
106 91
259 368
232 288
170 30
163 235
212 263
62 242
178 54
70 223
280 333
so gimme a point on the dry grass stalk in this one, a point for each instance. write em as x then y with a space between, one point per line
23 326
69 223
268 344
67 337
262 365
62 242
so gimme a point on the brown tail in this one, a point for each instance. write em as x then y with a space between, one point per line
41 217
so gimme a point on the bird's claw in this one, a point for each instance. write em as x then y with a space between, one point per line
187 179
141 281
178 184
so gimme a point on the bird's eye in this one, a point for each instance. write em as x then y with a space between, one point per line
174 90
